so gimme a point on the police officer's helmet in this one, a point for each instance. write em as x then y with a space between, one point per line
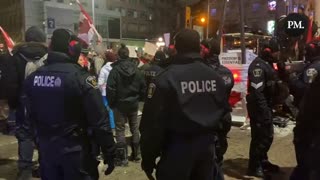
312 49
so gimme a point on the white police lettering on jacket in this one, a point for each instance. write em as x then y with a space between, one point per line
150 73
227 80
198 86
46 81
312 73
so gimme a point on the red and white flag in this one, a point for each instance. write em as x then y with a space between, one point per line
7 38
309 33
86 27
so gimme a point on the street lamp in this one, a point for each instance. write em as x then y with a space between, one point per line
203 20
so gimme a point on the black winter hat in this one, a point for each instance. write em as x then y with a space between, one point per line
123 52
35 34
215 46
60 40
187 40
160 56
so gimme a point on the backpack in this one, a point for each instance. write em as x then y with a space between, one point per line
33 65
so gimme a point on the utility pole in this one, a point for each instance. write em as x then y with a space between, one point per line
243 45
223 17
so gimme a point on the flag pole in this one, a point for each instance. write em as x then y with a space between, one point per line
93 13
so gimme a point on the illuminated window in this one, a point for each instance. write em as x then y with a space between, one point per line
272 5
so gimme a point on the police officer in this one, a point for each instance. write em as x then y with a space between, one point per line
225 123
303 134
156 66
261 88
64 104
182 114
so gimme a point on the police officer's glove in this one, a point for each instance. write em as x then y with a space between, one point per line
148 169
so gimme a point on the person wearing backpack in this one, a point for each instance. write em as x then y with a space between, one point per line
27 58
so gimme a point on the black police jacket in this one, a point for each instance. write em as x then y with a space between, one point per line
223 71
21 54
262 80
152 72
188 98
308 122
125 86
298 84
227 76
64 104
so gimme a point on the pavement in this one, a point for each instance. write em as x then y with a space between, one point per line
236 158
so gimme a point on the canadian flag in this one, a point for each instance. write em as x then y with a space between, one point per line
309 34
7 38
86 27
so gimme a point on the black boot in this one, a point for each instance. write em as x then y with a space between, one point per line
121 158
135 154
255 169
269 167
256 172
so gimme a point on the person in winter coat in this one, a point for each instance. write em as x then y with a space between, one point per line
125 88
27 57
4 71
105 71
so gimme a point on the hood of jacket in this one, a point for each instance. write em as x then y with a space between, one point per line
31 51
125 67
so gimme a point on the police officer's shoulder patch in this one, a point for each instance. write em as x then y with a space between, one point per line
92 81
312 73
257 72
151 90
227 80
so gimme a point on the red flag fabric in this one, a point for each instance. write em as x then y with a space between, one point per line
234 98
7 38
86 27
309 35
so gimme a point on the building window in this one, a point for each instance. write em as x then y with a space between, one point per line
60 1
96 5
130 13
132 27
135 14
255 7
123 12
143 29
143 15
213 12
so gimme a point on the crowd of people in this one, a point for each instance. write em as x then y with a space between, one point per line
64 101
